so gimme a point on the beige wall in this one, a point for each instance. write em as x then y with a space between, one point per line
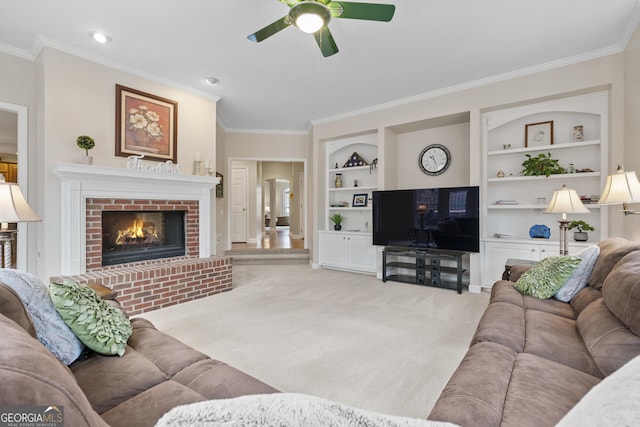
221 203
410 145
78 97
597 74
631 223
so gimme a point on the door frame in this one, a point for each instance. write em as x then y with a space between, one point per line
227 190
22 113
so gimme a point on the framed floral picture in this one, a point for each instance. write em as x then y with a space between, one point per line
146 125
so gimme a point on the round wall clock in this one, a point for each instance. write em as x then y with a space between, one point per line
434 159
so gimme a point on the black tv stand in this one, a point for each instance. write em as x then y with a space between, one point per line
426 269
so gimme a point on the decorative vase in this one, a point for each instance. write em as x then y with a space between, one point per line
580 236
338 182
86 160
337 227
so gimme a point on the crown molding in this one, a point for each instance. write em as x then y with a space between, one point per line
14 51
610 50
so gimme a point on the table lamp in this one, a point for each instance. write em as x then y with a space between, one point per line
621 188
564 201
13 208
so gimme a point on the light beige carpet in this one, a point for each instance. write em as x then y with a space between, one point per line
385 347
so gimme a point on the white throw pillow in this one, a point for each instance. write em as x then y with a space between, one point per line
50 328
580 276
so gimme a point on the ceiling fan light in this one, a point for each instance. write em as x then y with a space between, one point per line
309 22
310 16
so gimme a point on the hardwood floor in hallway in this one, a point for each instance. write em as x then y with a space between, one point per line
274 238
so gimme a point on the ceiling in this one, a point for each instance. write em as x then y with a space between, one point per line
284 83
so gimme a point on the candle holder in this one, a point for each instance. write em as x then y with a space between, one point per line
196 167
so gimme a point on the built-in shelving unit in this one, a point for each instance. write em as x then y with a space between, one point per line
351 248
503 141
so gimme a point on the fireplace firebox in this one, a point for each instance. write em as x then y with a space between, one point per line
131 236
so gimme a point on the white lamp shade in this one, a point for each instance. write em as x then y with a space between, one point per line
13 206
621 187
564 201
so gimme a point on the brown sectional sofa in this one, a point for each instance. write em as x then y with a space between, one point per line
156 373
530 360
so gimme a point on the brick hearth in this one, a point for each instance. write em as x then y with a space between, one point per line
150 285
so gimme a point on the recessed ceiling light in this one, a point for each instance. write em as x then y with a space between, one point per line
100 37
212 81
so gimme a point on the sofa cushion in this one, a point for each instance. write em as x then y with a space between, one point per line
584 297
99 326
546 277
145 409
31 375
621 291
578 280
217 380
609 341
108 381
503 291
475 393
502 323
541 391
557 338
50 328
11 306
167 353
612 402
495 386
537 332
612 250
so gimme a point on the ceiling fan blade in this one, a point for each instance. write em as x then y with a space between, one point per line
325 41
368 11
270 29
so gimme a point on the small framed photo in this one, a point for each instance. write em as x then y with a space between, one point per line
360 200
219 191
538 134
146 124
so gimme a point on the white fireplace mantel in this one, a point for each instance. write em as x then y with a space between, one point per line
79 182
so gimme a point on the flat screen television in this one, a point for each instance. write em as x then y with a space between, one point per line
428 218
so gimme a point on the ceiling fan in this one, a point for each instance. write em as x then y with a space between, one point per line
313 16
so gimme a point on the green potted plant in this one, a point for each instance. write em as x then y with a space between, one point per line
86 143
582 227
337 219
541 165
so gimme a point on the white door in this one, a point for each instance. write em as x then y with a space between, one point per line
301 216
239 205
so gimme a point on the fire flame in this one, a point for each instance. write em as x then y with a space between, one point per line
137 231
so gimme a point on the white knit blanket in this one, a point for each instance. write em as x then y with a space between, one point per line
282 410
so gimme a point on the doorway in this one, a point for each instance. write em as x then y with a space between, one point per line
275 208
13 152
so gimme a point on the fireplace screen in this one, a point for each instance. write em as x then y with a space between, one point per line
129 236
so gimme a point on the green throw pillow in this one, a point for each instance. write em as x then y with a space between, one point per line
545 278
101 327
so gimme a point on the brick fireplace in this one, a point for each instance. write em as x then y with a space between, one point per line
87 191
